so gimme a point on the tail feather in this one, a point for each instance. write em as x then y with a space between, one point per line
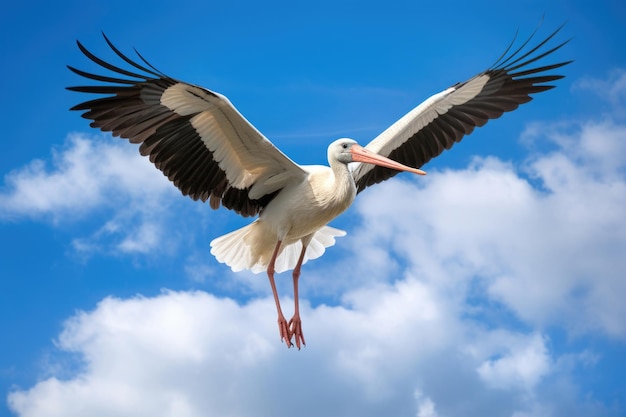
251 248
230 249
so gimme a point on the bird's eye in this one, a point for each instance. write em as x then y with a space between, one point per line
345 146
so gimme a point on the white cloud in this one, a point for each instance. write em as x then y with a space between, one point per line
425 406
523 366
192 354
611 89
188 354
90 176
147 237
85 173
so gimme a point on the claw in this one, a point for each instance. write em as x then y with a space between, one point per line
285 332
295 328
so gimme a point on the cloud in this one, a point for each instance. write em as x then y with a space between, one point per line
86 172
523 366
89 176
425 406
611 89
188 354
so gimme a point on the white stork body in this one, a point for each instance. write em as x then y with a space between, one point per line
199 140
297 217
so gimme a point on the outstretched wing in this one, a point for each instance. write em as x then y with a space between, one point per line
195 136
445 118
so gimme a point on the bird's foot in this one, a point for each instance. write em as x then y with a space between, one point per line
295 327
283 329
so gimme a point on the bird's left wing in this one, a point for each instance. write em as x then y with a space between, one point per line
445 118
195 136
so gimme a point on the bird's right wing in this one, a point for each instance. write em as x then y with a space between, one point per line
195 136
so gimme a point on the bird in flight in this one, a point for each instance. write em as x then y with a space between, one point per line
201 142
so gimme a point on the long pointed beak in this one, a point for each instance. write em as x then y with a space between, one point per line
360 154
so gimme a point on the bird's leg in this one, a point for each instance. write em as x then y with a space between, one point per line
283 327
295 324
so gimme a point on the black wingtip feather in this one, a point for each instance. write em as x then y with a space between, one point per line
156 72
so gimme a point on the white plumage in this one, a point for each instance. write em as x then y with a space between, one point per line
235 248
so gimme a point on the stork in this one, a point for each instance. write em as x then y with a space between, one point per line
199 140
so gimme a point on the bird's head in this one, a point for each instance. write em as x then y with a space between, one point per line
341 151
348 150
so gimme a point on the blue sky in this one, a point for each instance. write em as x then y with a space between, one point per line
493 286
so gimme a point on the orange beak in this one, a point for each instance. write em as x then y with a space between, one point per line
360 154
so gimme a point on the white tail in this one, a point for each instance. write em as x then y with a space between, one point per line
251 247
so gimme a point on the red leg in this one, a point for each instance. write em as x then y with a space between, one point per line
283 327
295 324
